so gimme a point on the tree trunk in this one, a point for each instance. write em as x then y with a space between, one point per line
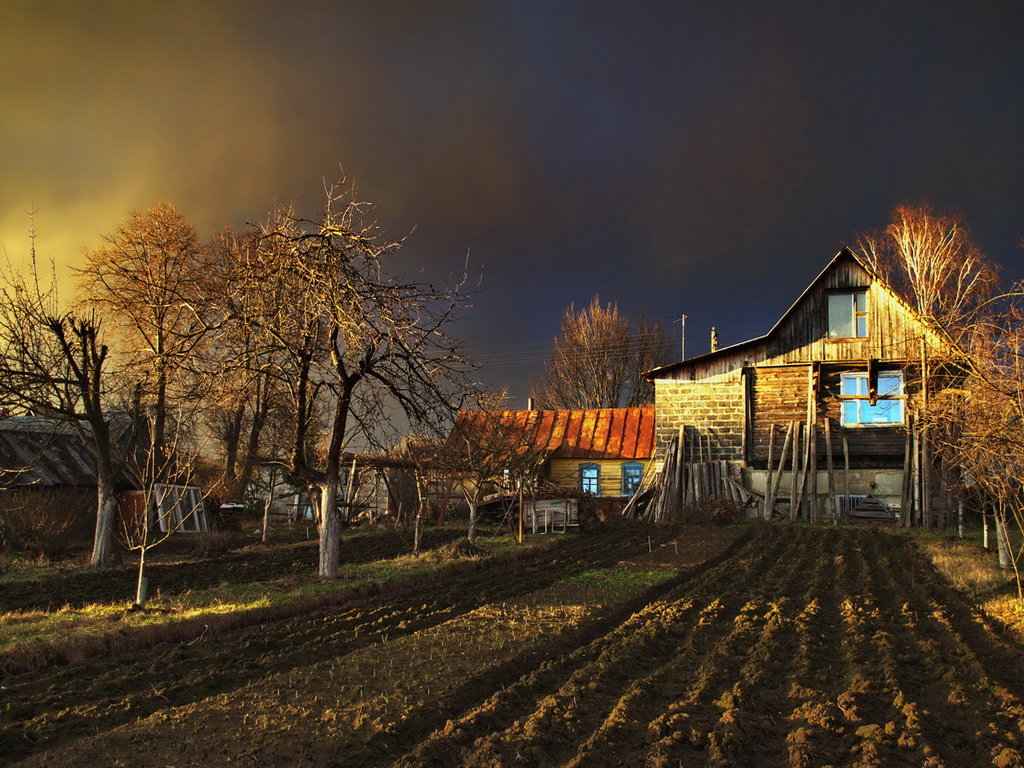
471 534
106 500
141 584
330 529
1002 542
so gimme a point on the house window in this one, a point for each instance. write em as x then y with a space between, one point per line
590 476
632 472
848 315
857 409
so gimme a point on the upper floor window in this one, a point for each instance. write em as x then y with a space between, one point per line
632 473
848 315
590 479
858 409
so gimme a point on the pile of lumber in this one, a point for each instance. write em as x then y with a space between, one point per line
689 476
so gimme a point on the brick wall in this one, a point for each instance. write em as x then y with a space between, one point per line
712 408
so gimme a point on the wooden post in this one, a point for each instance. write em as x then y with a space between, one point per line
810 484
916 474
685 469
906 492
770 502
846 474
766 512
926 461
794 503
677 483
831 506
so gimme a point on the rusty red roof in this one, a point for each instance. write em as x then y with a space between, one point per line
604 433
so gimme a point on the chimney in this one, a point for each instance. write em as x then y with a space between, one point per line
714 339
531 404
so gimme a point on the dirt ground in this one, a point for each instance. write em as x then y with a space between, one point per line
791 646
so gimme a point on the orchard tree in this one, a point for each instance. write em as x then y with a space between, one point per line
599 360
55 363
150 285
353 343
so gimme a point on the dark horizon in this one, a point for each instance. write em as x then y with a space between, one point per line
682 159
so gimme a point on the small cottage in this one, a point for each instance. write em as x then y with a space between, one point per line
603 452
818 414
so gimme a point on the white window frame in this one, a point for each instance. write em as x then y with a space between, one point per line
860 400
857 317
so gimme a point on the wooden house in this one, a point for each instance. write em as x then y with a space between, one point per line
829 394
602 452
47 468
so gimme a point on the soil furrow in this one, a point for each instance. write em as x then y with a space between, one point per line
51 706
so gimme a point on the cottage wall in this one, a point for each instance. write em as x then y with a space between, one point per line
566 473
712 409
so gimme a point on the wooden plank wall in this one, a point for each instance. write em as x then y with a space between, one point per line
780 396
566 473
894 332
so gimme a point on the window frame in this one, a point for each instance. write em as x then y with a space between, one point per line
583 480
631 466
855 315
865 398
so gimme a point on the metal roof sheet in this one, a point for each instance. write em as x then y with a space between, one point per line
605 433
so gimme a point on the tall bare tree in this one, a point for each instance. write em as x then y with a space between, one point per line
931 259
55 363
149 285
599 359
245 401
349 339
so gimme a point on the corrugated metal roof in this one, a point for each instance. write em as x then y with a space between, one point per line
605 433
35 450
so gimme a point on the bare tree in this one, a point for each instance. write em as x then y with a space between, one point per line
149 284
346 336
54 363
169 500
978 427
931 259
245 401
490 446
599 359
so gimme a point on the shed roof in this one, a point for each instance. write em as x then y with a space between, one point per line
603 433
35 450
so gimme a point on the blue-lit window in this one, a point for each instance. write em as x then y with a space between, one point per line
632 472
590 479
848 315
856 402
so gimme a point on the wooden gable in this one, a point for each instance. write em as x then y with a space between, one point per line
895 331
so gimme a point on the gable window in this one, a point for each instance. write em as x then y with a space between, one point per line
857 407
632 472
590 478
848 315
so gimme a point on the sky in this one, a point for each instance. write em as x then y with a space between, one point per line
705 159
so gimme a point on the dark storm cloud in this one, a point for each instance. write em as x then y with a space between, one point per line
672 157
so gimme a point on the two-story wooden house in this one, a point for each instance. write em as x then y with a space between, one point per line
821 408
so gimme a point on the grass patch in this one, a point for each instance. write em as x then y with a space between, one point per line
71 626
976 572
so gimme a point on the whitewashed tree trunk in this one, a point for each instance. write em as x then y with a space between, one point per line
330 529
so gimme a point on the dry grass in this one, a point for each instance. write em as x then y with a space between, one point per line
976 573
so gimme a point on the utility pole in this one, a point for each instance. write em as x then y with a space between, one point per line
682 337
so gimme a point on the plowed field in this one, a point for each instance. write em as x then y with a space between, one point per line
798 647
